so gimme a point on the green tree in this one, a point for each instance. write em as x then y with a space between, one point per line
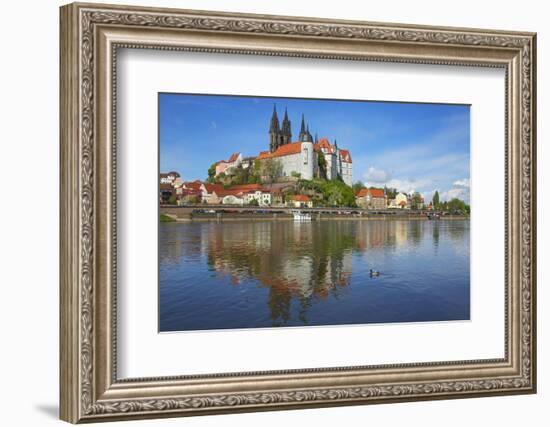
322 163
357 186
416 200
272 169
456 206
254 202
435 200
390 192
212 173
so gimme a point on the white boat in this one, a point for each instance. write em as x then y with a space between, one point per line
301 216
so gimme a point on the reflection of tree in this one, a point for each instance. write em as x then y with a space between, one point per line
415 232
435 234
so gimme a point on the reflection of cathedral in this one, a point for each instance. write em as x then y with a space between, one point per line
295 261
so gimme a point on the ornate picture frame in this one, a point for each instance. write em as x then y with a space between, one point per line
90 37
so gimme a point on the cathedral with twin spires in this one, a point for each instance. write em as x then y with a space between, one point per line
301 156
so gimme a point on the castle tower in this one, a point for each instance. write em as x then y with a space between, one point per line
274 131
303 136
286 133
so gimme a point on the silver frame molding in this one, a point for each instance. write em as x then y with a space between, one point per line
90 37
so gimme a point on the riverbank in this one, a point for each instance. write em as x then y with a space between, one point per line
222 217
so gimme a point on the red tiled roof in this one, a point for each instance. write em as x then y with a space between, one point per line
283 150
195 185
346 156
323 143
212 187
166 186
190 192
301 198
362 193
233 157
247 187
376 192
228 192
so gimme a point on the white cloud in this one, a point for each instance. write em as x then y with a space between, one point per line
408 185
462 183
458 193
377 175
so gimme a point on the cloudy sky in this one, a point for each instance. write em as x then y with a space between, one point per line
409 146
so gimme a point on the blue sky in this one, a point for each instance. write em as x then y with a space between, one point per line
410 146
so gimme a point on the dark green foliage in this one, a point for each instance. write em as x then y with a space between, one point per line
435 200
212 173
327 193
456 206
391 192
322 163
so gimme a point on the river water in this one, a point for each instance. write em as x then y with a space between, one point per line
282 273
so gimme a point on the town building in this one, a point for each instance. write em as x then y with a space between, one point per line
400 202
225 166
300 201
209 193
371 198
169 178
166 191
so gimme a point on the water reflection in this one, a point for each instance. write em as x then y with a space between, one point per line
277 273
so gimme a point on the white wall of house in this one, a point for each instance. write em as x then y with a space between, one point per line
263 198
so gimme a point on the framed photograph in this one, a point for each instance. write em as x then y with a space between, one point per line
267 212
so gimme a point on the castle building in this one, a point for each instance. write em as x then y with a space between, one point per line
302 156
298 158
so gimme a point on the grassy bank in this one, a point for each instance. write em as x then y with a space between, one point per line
166 218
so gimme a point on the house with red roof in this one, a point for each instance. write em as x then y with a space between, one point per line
300 201
371 198
224 166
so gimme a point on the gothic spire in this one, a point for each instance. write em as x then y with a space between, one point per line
274 131
303 132
274 128
303 128
286 133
